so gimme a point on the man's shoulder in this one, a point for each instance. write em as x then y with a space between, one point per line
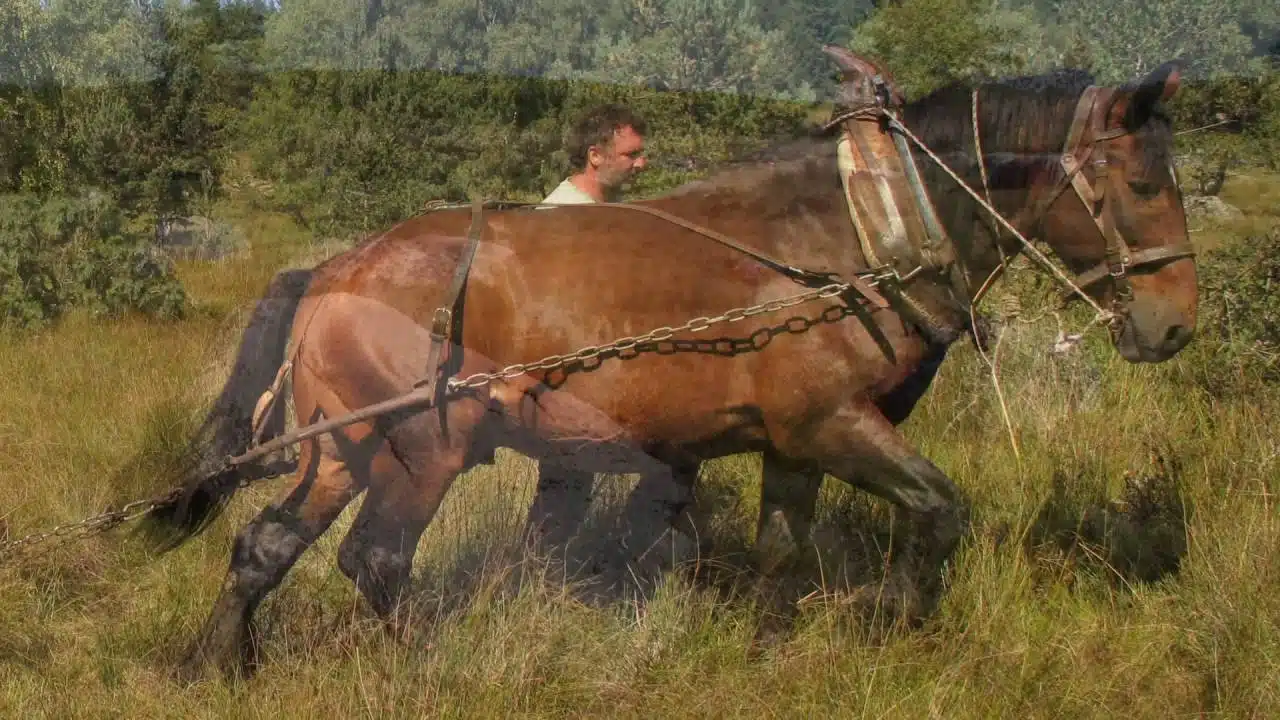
566 193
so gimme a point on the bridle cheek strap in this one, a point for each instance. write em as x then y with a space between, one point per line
1118 256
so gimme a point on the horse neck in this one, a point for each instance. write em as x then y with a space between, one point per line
1022 132
791 208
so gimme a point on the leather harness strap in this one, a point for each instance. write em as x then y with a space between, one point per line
442 321
1118 256
808 278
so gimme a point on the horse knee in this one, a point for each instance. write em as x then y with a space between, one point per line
265 550
379 573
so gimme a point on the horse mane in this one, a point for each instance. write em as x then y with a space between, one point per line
1028 114
1021 114
1024 115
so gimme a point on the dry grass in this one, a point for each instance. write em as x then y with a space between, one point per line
1126 568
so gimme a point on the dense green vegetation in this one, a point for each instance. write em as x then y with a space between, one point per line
1122 559
350 116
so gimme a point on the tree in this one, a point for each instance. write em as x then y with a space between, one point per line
929 43
1124 39
716 45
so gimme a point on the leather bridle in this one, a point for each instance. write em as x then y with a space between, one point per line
1118 256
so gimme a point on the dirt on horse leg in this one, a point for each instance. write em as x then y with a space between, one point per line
263 553
863 448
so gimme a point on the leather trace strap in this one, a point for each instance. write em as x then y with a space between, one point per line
807 278
442 321
799 275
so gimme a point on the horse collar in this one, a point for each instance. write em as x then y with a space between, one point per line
896 224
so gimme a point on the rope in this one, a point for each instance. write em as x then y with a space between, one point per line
1031 249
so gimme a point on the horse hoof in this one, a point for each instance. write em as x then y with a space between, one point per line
201 663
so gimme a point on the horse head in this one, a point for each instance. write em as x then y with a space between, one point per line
1115 216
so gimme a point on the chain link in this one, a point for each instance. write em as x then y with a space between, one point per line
91 526
110 519
656 335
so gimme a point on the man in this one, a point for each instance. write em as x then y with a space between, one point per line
606 150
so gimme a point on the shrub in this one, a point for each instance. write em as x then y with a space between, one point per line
64 252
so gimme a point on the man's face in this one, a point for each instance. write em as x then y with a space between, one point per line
617 162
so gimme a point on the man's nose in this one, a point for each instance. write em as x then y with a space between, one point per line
639 164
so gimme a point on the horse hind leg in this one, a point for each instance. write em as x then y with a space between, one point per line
408 483
377 552
262 555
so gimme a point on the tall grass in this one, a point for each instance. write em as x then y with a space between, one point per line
1122 562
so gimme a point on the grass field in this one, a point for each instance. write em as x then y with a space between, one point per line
1122 562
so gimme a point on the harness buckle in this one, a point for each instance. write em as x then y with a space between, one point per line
441 320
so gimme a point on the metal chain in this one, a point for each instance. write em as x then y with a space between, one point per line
656 335
92 526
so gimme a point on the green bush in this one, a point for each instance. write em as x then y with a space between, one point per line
358 151
65 252
1250 106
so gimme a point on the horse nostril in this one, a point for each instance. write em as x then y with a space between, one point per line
1177 337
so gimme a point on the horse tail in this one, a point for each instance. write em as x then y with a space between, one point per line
228 428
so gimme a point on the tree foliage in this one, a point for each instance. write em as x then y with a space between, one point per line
930 43
62 252
357 112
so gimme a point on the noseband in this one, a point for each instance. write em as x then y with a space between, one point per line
1118 255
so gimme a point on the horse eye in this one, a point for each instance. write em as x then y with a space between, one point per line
1143 189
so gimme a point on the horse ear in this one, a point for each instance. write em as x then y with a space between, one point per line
1133 108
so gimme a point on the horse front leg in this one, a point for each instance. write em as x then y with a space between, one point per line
789 488
663 501
788 498
860 446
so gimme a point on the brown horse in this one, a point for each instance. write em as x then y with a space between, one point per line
807 386
1015 160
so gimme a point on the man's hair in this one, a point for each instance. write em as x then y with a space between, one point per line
597 126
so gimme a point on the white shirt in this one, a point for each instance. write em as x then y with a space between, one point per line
566 193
